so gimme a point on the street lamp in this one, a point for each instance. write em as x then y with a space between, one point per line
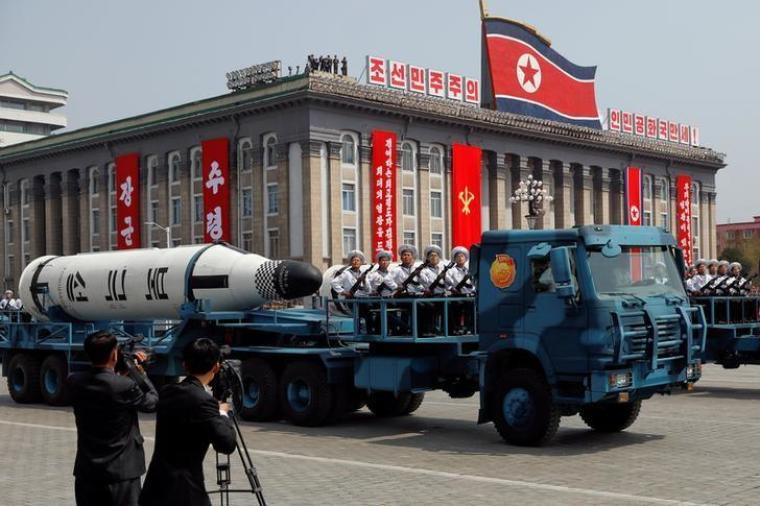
167 230
533 192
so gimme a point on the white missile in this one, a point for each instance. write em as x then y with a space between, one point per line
148 284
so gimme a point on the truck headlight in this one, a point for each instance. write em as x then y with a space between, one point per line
620 379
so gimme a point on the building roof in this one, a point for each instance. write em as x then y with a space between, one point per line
33 87
347 92
740 225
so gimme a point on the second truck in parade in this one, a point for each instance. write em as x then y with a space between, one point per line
598 340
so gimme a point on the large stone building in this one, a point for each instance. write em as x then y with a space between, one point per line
300 174
26 110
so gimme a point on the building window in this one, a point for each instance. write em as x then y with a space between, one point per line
244 155
348 149
647 198
173 163
196 161
176 215
198 209
272 199
663 196
273 237
247 202
248 241
154 211
730 236
111 178
25 230
112 222
436 239
24 187
407 157
436 160
408 202
349 241
11 237
94 181
270 151
349 197
152 170
747 234
436 205
176 242
95 221
410 238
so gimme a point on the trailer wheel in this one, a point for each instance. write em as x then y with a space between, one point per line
386 404
522 409
604 417
259 391
305 396
24 378
414 403
53 374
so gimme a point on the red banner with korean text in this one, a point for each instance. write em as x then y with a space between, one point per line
216 189
128 201
465 195
633 215
384 192
683 219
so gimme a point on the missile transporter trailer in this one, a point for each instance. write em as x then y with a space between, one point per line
733 329
565 323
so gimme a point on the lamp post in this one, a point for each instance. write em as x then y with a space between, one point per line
533 192
167 230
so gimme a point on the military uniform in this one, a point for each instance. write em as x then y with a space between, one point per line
460 284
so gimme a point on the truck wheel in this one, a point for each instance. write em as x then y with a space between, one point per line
604 417
53 374
259 391
387 404
414 403
24 378
522 409
305 396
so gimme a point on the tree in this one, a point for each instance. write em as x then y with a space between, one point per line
738 254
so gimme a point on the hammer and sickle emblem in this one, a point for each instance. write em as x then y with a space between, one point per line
466 197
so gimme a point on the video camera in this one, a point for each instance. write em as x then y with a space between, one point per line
127 360
227 385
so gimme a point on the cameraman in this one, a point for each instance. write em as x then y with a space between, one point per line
110 457
188 420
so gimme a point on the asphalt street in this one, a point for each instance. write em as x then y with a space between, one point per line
689 448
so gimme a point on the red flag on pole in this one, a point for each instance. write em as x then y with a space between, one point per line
683 207
128 201
465 195
633 215
384 191
216 189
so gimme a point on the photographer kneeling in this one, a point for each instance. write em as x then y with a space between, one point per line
110 457
188 420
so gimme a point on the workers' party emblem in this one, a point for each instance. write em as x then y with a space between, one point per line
503 271
466 197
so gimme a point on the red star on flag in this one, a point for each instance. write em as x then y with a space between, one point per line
528 73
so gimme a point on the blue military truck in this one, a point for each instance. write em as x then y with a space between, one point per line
733 329
566 322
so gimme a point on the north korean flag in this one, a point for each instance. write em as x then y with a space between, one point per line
530 78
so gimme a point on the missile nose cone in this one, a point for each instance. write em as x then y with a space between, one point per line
288 279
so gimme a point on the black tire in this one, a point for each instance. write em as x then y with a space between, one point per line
522 409
414 403
305 396
386 404
24 378
608 417
53 373
260 394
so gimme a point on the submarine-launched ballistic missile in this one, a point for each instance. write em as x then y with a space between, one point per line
147 284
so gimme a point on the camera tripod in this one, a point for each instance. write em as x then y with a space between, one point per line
223 476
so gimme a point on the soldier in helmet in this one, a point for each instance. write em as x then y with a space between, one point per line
381 284
432 279
700 279
353 283
712 268
459 283
407 278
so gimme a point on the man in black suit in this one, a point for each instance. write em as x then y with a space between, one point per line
110 457
188 420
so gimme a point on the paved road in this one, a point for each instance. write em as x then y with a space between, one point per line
698 448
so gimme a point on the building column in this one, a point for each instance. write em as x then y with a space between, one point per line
53 215
258 191
713 229
72 225
104 204
282 178
37 219
17 249
312 186
602 200
423 198
364 187
547 178
563 195
615 197
520 170
336 210
84 211
186 198
497 187
583 184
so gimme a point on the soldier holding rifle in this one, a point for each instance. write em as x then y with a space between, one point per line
459 284
352 283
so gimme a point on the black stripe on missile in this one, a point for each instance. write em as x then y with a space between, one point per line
209 282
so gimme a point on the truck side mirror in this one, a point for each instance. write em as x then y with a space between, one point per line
562 272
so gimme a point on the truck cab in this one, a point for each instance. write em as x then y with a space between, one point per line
589 320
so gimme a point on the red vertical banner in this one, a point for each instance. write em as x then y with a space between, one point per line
633 205
683 206
128 201
465 195
384 191
216 189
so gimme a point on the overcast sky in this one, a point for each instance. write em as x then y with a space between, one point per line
688 61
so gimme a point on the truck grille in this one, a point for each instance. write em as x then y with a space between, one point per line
635 336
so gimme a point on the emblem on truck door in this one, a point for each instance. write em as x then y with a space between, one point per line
503 271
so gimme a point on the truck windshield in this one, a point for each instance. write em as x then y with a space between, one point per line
642 271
